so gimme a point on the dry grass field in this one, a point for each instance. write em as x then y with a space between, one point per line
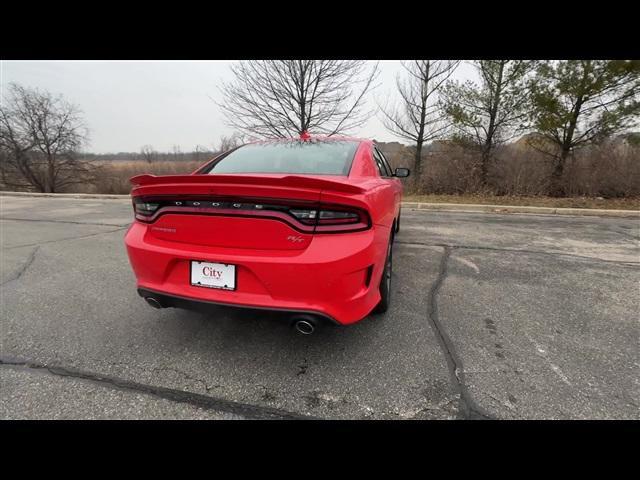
540 201
597 178
113 177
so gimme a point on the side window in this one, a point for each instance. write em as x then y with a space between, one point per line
382 169
386 163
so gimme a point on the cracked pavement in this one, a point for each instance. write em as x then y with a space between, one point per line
493 316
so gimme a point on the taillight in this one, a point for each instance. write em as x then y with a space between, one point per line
144 210
334 217
343 220
308 217
317 218
334 221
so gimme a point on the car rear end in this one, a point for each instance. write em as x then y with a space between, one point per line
302 243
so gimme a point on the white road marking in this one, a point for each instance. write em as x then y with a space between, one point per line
466 262
553 366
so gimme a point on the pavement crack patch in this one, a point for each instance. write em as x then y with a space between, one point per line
519 250
24 267
78 237
468 409
196 399
206 386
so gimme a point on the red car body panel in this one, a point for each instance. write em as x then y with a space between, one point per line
281 264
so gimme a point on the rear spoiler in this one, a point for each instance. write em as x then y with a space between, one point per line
291 181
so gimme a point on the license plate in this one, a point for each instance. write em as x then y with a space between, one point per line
213 275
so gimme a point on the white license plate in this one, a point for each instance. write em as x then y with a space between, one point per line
213 275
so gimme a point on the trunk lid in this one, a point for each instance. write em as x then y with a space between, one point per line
233 211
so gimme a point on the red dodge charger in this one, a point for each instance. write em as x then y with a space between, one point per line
303 225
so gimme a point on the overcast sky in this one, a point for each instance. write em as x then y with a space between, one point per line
128 104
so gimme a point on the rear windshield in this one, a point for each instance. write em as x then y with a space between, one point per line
305 157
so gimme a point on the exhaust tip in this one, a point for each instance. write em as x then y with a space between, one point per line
304 325
153 302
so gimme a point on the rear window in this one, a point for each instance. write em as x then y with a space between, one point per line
304 157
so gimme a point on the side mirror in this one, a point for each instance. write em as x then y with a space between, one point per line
401 172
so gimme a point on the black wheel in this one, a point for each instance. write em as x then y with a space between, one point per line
397 224
385 281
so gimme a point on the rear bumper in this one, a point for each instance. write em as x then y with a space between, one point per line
205 306
336 276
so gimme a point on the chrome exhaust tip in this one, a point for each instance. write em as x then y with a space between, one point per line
153 302
304 325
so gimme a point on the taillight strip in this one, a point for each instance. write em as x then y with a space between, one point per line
286 218
319 217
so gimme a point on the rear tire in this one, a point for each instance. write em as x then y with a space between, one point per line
385 281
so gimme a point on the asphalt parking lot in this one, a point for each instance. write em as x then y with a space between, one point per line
493 316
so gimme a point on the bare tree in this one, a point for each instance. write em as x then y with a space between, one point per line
177 152
283 98
200 153
230 142
148 154
40 136
417 117
490 112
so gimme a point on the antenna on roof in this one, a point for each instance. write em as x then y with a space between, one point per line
304 135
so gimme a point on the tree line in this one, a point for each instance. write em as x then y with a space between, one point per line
561 107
